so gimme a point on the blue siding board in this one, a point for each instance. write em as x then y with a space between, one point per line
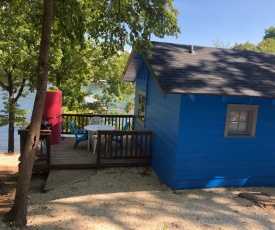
218 130
165 174
224 174
226 148
161 138
164 151
205 138
163 164
230 182
224 165
244 156
209 99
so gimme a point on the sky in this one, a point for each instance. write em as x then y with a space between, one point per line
203 22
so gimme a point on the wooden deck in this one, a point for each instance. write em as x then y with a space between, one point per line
136 149
63 156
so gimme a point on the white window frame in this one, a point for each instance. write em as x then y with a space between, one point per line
140 117
251 123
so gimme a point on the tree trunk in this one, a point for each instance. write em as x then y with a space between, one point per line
18 212
11 110
11 121
11 132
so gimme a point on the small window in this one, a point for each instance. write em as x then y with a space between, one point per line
241 120
141 106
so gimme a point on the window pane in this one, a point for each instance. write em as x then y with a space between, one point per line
243 127
234 115
241 120
244 116
232 127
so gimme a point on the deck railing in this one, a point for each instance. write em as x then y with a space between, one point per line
81 120
134 145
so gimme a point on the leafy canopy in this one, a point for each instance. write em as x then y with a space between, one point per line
85 36
88 36
18 51
119 22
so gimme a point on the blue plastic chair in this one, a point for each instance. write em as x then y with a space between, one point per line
80 135
119 139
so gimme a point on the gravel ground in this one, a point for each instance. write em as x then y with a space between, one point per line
134 198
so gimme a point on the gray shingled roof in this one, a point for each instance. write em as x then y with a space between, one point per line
209 70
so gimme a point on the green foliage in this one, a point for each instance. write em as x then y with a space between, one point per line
88 39
118 22
266 45
220 44
18 50
116 91
270 32
245 46
77 67
86 35
11 107
71 70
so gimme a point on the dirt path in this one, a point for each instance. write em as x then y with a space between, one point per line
8 177
134 198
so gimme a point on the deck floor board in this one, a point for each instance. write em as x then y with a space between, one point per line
64 153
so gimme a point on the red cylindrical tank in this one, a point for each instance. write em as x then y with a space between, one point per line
52 114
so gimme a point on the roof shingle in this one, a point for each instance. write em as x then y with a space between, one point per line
208 71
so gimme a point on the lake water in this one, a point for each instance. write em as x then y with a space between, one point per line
27 104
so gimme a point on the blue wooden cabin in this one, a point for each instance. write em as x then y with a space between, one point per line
212 113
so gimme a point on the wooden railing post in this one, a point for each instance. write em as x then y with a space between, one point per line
98 147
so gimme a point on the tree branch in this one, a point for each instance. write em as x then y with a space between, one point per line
20 90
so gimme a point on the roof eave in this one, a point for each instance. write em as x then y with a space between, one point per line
126 66
153 74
